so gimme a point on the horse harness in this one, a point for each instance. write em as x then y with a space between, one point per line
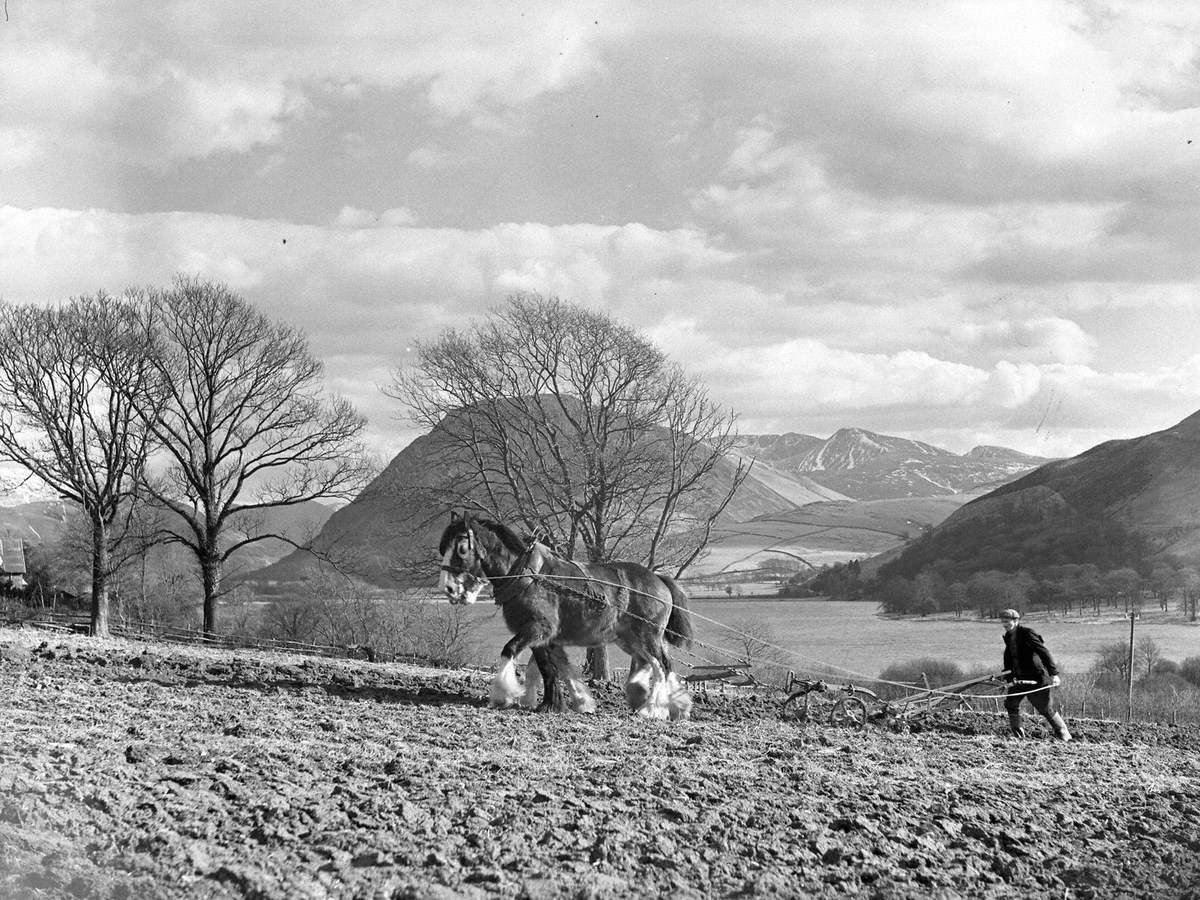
502 595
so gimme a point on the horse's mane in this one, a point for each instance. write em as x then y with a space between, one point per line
503 533
507 536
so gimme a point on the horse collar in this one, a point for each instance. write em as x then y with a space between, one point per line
509 589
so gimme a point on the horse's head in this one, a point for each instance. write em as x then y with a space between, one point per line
463 577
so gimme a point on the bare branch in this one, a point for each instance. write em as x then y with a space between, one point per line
242 418
561 418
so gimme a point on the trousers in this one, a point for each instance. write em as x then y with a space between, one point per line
1041 700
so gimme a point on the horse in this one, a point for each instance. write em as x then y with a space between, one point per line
549 602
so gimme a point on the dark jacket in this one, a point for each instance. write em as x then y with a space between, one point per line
1026 657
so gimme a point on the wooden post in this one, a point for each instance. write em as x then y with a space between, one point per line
1129 685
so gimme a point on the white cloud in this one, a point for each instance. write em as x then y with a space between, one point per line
972 217
1043 339
160 84
351 217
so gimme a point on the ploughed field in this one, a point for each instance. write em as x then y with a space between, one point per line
138 770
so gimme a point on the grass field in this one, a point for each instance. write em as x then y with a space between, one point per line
817 634
821 534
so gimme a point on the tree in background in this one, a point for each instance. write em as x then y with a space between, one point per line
751 640
1186 582
72 379
929 589
1147 654
1112 665
242 419
574 425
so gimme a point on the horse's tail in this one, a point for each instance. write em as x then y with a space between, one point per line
679 625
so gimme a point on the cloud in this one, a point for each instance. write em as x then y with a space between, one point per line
1048 339
360 293
956 217
350 217
1050 408
158 84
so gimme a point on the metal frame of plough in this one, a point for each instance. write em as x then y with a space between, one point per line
852 705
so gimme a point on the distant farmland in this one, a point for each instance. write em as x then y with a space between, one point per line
820 534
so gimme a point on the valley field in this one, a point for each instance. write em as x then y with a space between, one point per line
147 771
820 534
855 637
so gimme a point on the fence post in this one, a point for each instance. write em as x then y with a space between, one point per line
1129 683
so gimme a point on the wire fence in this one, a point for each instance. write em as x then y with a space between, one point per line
133 630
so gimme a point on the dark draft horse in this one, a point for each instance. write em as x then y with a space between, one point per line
549 602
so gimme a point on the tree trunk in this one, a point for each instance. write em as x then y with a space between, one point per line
100 563
210 576
597 661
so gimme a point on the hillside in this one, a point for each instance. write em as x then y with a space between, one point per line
47 521
1119 503
399 516
143 770
38 521
394 520
864 465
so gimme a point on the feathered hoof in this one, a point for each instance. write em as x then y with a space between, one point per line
507 689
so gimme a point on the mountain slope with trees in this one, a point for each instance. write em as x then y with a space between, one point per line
1067 529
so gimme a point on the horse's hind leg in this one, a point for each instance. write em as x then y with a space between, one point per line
675 695
564 687
644 687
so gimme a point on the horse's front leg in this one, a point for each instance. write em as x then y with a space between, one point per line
506 686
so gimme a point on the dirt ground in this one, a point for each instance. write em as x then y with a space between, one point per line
130 770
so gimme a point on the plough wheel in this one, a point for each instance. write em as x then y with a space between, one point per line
849 712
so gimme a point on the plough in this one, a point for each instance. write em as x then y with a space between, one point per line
851 705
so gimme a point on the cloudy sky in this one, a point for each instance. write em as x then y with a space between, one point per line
962 222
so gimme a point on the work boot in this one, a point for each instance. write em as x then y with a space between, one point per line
1060 727
1014 724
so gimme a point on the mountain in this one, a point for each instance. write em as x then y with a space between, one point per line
301 522
399 517
1119 503
863 465
395 519
41 521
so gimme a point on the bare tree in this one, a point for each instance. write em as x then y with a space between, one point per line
574 425
1148 653
71 379
243 421
567 421
751 639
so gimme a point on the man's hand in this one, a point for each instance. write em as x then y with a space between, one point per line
1055 681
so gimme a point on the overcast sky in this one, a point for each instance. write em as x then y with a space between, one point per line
968 223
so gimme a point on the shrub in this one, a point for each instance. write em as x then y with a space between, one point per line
1190 669
437 632
939 672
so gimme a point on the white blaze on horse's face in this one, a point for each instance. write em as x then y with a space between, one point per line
457 583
